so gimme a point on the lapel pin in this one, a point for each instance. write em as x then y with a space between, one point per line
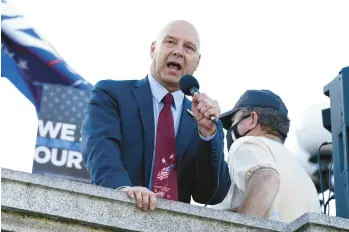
190 112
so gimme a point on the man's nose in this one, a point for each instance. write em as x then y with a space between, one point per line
178 51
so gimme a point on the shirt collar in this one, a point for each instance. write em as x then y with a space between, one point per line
159 92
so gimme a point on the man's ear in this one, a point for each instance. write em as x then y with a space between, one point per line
152 49
255 119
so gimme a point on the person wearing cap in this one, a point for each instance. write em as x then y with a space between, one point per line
267 180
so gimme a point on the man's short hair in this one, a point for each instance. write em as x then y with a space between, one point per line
271 120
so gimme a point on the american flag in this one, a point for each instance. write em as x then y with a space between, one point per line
165 172
29 61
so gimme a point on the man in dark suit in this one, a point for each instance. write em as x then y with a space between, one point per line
146 138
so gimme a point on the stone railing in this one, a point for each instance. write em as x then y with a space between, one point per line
31 202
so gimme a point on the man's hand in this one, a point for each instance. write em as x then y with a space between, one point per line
203 107
145 199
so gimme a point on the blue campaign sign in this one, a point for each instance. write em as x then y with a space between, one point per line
57 151
59 94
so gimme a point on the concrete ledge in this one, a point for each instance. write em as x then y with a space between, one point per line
318 222
32 202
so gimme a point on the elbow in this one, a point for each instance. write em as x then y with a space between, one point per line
222 191
223 188
216 196
217 199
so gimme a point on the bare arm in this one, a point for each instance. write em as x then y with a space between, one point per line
261 191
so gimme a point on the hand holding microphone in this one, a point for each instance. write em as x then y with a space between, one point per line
205 110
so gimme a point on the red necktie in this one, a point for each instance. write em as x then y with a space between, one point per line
165 171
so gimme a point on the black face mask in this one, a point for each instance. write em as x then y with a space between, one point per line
230 138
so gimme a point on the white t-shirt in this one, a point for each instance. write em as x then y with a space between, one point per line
297 193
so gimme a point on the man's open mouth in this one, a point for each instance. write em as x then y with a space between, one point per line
174 65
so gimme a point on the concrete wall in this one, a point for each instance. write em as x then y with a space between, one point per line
32 202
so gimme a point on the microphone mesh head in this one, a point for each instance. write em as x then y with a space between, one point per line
188 82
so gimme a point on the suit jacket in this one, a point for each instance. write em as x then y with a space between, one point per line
118 142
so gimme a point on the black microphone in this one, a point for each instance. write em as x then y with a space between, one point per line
189 85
